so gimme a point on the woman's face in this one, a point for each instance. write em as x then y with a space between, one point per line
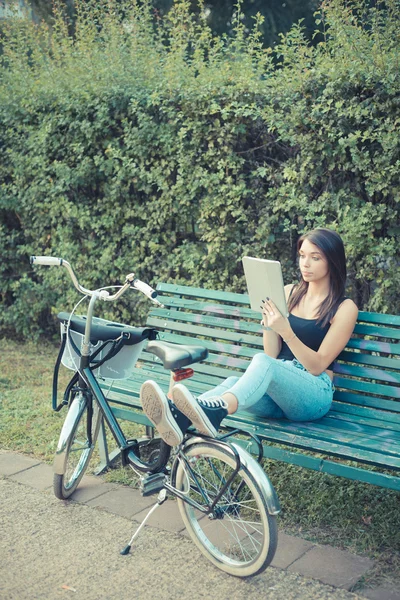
313 263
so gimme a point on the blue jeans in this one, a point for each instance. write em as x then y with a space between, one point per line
279 388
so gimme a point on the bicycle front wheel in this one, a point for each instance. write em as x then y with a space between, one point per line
75 446
239 535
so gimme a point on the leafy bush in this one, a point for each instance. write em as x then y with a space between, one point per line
160 148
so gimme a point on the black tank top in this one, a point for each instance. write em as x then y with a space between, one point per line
308 332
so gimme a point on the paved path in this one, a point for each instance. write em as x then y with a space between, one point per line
52 549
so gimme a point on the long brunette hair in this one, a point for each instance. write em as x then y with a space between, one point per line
331 244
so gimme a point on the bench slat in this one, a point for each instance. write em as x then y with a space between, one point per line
374 346
357 434
323 465
228 361
379 318
367 373
376 374
191 292
369 359
209 307
384 332
217 322
199 332
363 386
365 416
203 376
368 401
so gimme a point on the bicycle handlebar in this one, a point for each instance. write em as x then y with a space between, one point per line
145 289
46 260
130 281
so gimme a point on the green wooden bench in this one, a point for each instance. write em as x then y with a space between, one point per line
361 430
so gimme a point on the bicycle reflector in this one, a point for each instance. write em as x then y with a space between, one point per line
180 374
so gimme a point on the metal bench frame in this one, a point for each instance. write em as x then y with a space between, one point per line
362 429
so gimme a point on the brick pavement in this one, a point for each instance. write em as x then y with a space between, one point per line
329 565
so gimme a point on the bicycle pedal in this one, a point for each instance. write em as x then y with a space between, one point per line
151 484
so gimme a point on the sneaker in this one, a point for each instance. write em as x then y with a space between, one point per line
205 414
169 422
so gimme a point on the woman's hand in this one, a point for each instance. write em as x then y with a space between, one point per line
275 320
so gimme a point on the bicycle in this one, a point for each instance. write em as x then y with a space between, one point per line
226 500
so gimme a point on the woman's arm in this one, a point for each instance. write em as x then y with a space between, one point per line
272 343
338 335
272 340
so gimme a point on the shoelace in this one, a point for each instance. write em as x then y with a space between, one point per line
212 402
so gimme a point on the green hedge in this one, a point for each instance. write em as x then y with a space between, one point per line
160 149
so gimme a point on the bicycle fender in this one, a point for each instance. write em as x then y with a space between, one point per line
73 414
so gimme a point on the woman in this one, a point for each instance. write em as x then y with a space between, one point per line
293 377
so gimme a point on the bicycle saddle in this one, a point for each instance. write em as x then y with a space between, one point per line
174 356
108 330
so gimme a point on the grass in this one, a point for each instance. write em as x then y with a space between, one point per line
358 517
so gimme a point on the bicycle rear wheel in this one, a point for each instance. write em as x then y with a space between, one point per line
239 536
75 446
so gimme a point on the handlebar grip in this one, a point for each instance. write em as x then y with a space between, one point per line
49 261
145 289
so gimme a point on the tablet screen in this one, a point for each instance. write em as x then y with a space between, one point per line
264 279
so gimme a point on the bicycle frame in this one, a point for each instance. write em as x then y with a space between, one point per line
91 381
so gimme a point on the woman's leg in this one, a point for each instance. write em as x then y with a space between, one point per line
300 395
220 389
208 410
278 388
265 407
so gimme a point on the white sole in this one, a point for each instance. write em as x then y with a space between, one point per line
185 402
155 406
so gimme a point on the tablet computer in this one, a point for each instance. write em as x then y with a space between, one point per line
264 279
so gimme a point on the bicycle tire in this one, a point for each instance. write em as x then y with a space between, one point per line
75 450
240 536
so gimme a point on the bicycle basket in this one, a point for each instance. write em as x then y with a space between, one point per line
119 366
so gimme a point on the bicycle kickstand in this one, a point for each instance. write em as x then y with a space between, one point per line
161 498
